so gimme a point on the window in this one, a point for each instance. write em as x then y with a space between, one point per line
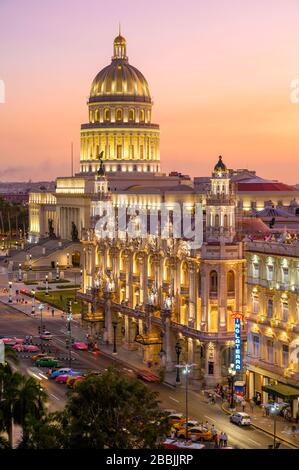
119 115
270 308
270 270
91 116
285 355
134 167
256 345
131 115
96 115
225 221
285 275
131 151
255 304
107 115
285 310
255 270
216 220
141 116
270 351
230 282
213 282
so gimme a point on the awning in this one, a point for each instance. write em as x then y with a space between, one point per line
282 391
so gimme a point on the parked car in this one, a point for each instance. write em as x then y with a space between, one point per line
25 348
72 381
175 417
39 356
12 341
64 371
47 362
242 419
46 335
80 346
147 376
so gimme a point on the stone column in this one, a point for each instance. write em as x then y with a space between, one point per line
204 299
222 297
213 361
141 279
192 296
108 317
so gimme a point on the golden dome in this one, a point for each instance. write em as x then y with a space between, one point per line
120 80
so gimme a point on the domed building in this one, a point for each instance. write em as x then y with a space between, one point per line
120 110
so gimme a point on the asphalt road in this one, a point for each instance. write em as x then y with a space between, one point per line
14 323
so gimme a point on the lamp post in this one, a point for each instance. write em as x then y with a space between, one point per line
231 376
67 260
47 285
274 411
41 307
30 266
178 350
81 278
69 319
186 371
10 292
33 301
57 271
114 324
20 272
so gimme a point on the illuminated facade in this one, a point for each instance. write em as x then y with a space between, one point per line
273 318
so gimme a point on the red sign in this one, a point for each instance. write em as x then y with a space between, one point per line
238 315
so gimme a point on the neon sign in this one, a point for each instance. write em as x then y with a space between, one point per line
238 355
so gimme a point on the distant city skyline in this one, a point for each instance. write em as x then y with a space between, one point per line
219 74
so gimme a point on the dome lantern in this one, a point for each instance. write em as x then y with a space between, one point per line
120 48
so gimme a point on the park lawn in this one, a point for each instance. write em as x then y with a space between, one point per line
59 299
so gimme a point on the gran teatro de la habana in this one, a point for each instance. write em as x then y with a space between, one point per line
231 298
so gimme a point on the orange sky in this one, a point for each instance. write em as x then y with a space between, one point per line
219 74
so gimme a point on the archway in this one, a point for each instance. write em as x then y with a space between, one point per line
76 258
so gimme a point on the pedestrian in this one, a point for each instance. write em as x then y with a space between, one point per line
31 340
207 425
221 439
251 404
214 432
225 439
53 311
243 405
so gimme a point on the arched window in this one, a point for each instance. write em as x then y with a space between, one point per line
231 282
91 116
213 282
225 221
119 115
131 115
141 116
107 115
217 220
96 115
148 116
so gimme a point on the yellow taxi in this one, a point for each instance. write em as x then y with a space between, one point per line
195 433
182 424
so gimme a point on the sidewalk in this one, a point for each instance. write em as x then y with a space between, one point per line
266 424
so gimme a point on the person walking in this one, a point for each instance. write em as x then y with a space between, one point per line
243 404
221 439
214 432
207 425
53 311
251 404
225 439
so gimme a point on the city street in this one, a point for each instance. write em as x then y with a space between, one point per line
14 323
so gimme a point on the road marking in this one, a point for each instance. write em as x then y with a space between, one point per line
60 340
254 442
54 396
210 418
174 399
43 376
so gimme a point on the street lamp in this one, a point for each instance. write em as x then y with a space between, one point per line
47 285
10 292
186 371
81 278
274 411
67 260
114 324
33 301
20 272
41 307
178 350
231 377
57 271
30 266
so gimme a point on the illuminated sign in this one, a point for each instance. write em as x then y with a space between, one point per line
238 355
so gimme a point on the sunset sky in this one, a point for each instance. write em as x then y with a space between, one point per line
219 73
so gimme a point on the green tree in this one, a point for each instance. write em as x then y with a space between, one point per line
110 411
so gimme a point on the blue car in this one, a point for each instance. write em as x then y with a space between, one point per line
63 371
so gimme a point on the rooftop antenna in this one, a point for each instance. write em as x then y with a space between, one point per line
72 159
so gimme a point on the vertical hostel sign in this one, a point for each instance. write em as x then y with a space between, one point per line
238 345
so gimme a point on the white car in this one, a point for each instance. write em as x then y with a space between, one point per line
242 419
46 335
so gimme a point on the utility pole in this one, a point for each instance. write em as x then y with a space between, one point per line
186 371
69 319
